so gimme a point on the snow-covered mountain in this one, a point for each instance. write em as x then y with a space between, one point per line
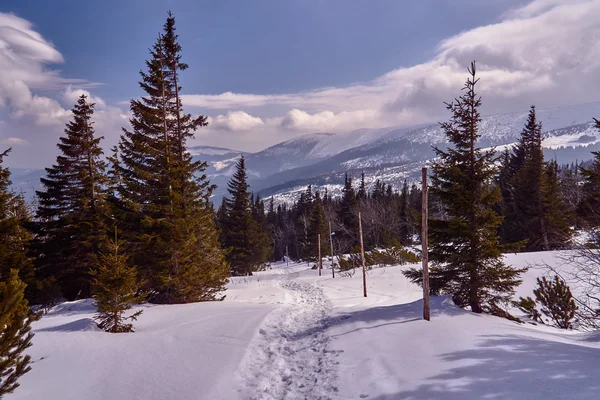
391 154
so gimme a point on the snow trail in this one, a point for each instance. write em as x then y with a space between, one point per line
289 358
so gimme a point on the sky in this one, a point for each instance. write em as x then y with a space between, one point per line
266 71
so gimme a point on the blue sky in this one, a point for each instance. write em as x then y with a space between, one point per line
260 46
266 71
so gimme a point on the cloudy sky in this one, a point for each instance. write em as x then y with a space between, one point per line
265 71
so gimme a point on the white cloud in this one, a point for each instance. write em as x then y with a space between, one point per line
71 95
546 53
13 141
235 121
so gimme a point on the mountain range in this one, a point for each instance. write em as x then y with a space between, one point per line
391 154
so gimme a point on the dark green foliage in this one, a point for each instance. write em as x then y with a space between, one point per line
589 208
14 237
529 307
115 288
162 194
244 232
404 214
317 226
70 224
15 332
262 243
534 213
464 248
556 301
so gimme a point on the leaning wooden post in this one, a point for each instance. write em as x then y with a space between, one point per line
320 259
331 248
424 250
362 255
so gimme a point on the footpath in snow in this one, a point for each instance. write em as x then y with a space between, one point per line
287 333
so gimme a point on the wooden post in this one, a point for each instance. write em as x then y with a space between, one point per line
331 248
287 256
320 259
424 249
362 255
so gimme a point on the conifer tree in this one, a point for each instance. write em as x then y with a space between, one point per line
589 208
317 226
404 231
556 231
115 288
14 237
262 244
348 205
556 302
164 207
70 223
464 246
238 224
15 332
362 188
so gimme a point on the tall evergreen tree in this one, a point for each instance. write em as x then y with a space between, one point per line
262 246
589 208
317 226
238 225
71 215
348 205
14 237
163 195
15 332
403 211
464 246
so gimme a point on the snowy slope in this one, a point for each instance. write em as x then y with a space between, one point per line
287 333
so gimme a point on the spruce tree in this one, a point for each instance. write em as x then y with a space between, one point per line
348 206
403 211
14 237
589 208
556 231
317 226
15 332
70 225
262 244
238 225
115 288
464 246
163 195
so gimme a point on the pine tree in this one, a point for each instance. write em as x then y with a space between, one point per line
348 206
71 212
362 188
556 231
317 226
14 237
464 247
589 208
15 332
556 301
238 226
163 195
404 231
262 244
115 288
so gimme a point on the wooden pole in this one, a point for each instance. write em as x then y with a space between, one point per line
331 248
287 256
362 255
320 259
424 250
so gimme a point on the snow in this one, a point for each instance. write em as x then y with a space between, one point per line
287 333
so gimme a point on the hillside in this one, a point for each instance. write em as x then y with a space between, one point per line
289 334
391 154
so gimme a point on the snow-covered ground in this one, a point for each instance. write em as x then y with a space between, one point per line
287 333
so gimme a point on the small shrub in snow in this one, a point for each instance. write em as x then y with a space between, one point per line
115 288
555 300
